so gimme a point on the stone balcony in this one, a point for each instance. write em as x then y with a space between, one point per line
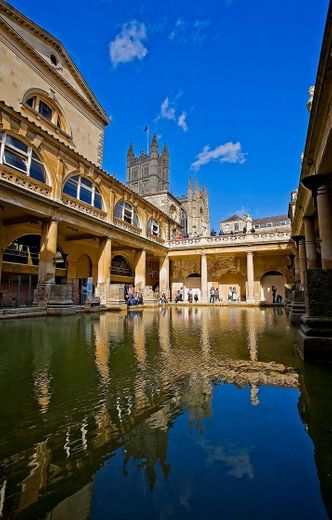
230 240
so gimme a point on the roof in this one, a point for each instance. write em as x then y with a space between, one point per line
274 218
232 218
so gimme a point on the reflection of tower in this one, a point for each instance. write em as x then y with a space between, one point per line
149 444
252 345
197 399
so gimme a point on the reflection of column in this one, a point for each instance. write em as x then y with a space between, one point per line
250 277
140 269
310 243
48 245
204 279
302 260
205 340
164 276
252 344
37 478
102 351
324 210
104 262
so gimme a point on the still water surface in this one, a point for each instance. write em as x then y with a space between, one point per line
183 413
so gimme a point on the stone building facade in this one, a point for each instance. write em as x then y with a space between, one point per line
149 176
64 220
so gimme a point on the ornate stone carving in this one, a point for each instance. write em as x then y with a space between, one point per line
184 267
24 181
82 206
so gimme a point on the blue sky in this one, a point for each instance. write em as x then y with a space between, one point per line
223 82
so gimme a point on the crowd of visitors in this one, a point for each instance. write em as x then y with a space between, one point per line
132 296
213 233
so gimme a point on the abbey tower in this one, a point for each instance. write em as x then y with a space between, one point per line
148 175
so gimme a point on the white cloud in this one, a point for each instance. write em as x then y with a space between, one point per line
167 111
224 153
182 123
189 32
128 44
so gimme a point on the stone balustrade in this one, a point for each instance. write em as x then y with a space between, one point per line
24 181
83 207
127 226
238 239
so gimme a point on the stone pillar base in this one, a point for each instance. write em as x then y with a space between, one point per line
149 295
251 300
52 295
316 338
296 306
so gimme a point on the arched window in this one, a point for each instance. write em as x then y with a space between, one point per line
84 190
121 266
154 227
15 153
125 211
46 108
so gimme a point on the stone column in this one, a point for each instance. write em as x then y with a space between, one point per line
204 279
297 265
250 277
104 261
164 276
302 260
140 270
324 210
310 243
48 246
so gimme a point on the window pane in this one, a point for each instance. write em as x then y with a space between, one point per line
70 188
12 141
1 134
135 220
118 210
37 170
13 159
85 195
86 182
98 202
30 101
45 110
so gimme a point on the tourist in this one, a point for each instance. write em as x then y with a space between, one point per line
213 232
274 293
163 298
196 297
230 294
190 296
212 295
221 232
84 292
216 295
179 296
234 295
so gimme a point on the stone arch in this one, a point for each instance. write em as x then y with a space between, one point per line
269 279
232 279
42 95
36 166
122 270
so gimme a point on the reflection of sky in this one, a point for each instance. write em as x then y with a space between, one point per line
237 466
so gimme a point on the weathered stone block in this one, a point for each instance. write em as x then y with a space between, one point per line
318 292
53 295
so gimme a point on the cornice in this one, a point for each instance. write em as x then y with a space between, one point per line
93 106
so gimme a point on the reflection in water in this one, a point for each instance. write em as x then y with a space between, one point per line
162 400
